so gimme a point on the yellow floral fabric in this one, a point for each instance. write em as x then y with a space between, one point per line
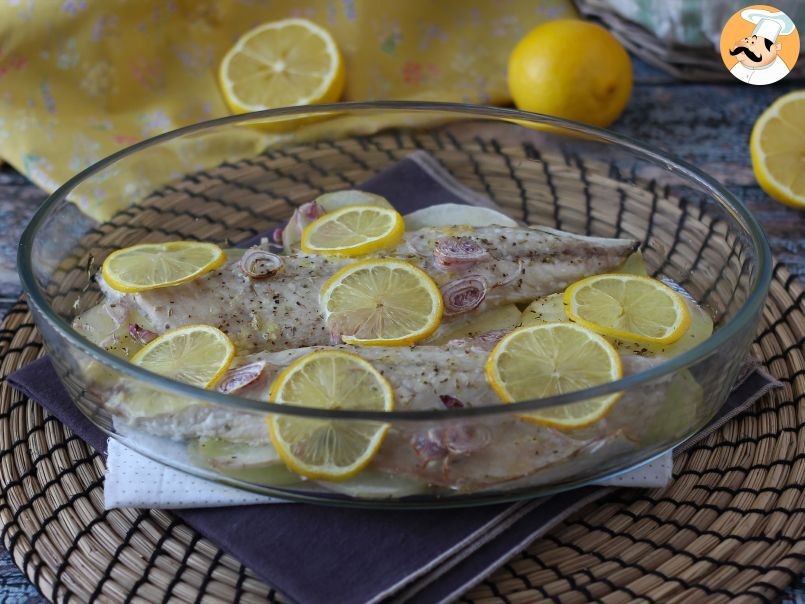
80 79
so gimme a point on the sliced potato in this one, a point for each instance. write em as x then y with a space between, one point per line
371 484
634 265
338 200
147 404
107 325
453 214
260 464
103 324
549 309
683 401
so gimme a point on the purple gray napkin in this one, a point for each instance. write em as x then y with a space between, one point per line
318 554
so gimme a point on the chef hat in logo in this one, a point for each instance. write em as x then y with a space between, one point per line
769 24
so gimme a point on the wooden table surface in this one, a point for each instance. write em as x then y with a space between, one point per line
705 124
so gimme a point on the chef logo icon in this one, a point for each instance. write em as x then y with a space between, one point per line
759 45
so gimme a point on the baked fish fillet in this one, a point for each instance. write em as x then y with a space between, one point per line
464 454
492 264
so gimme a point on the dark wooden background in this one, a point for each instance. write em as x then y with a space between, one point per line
705 124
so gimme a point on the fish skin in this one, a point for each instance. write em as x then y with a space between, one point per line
523 263
275 313
283 311
464 455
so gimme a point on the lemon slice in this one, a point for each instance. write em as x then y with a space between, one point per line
777 146
381 303
354 231
628 307
151 265
194 354
539 361
329 449
551 309
281 64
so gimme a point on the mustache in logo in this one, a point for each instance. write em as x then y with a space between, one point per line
752 56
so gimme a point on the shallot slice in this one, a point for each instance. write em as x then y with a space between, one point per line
484 341
450 402
463 295
458 253
259 264
454 440
428 444
464 438
240 377
302 216
140 334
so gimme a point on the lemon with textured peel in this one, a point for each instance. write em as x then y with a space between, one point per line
282 64
777 146
381 302
539 361
323 448
194 354
152 265
354 231
628 307
572 69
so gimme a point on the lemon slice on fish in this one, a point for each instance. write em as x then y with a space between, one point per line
194 354
381 302
628 307
152 265
354 231
551 309
322 448
539 361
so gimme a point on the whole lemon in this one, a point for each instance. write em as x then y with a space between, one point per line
571 69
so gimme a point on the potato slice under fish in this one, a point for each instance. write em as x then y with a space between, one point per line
452 214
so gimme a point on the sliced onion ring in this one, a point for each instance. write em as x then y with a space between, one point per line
240 377
465 438
302 216
455 440
140 334
484 341
463 295
450 401
458 253
259 264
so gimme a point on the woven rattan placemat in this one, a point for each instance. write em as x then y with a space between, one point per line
730 527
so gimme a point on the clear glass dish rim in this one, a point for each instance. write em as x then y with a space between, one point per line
718 194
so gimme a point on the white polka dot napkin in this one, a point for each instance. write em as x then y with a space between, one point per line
133 480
